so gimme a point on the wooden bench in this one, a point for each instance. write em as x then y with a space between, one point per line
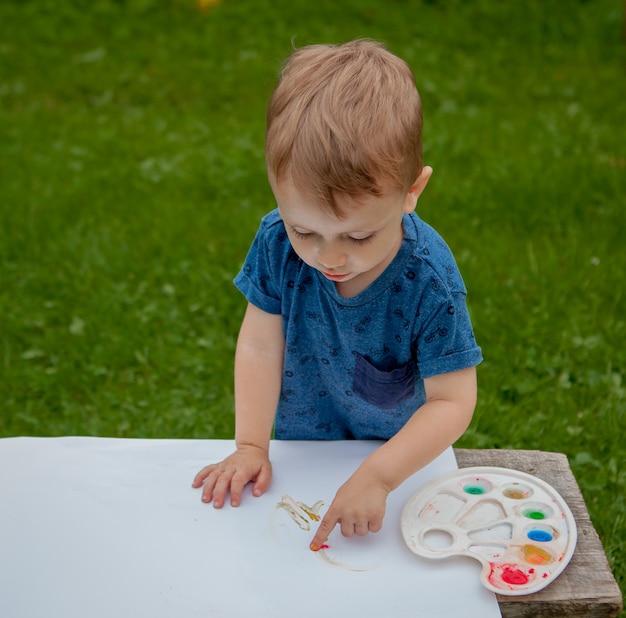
587 586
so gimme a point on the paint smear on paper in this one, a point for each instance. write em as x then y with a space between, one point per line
299 512
303 515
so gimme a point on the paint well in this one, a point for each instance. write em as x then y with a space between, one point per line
443 508
536 511
516 491
488 551
536 555
438 539
514 576
482 515
498 532
476 486
475 490
540 536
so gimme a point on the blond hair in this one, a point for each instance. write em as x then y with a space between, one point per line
345 119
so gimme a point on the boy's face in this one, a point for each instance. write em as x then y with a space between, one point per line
354 250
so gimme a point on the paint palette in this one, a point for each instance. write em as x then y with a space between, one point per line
515 524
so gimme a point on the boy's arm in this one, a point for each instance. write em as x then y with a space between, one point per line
359 505
258 376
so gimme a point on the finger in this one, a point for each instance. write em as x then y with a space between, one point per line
263 480
237 483
362 529
347 529
222 486
209 485
376 526
202 475
323 532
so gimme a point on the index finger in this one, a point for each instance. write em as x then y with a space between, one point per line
323 532
199 479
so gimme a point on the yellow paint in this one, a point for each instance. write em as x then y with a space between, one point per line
515 494
300 512
535 555
307 509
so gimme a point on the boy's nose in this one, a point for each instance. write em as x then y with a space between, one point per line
330 258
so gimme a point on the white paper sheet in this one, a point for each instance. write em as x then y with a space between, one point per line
97 527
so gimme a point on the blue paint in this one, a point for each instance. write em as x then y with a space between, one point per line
540 536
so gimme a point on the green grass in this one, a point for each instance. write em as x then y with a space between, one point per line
132 182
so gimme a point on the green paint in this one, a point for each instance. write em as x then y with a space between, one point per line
474 490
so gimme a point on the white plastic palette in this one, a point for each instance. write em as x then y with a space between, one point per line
515 524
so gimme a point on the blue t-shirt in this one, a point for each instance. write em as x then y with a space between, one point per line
354 367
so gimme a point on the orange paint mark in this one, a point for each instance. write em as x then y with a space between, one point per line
309 512
301 513
535 555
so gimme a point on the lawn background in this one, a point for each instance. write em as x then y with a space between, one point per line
132 182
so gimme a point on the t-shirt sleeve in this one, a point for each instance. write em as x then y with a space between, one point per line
258 279
446 342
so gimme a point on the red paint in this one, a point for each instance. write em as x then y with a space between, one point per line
318 547
514 576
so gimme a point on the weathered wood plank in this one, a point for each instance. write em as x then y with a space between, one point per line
587 586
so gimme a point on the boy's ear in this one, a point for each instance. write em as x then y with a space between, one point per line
415 190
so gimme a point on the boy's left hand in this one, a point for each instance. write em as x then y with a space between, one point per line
359 507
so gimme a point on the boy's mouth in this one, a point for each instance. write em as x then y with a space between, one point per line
334 277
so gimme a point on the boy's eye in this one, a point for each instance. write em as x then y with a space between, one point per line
363 241
305 235
299 234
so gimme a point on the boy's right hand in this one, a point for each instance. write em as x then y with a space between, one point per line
248 463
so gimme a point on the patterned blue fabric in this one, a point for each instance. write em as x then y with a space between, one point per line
354 367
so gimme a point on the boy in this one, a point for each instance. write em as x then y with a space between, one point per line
356 325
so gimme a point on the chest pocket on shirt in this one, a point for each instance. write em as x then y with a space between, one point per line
385 389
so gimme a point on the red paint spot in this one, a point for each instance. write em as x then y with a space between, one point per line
318 547
545 575
514 576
